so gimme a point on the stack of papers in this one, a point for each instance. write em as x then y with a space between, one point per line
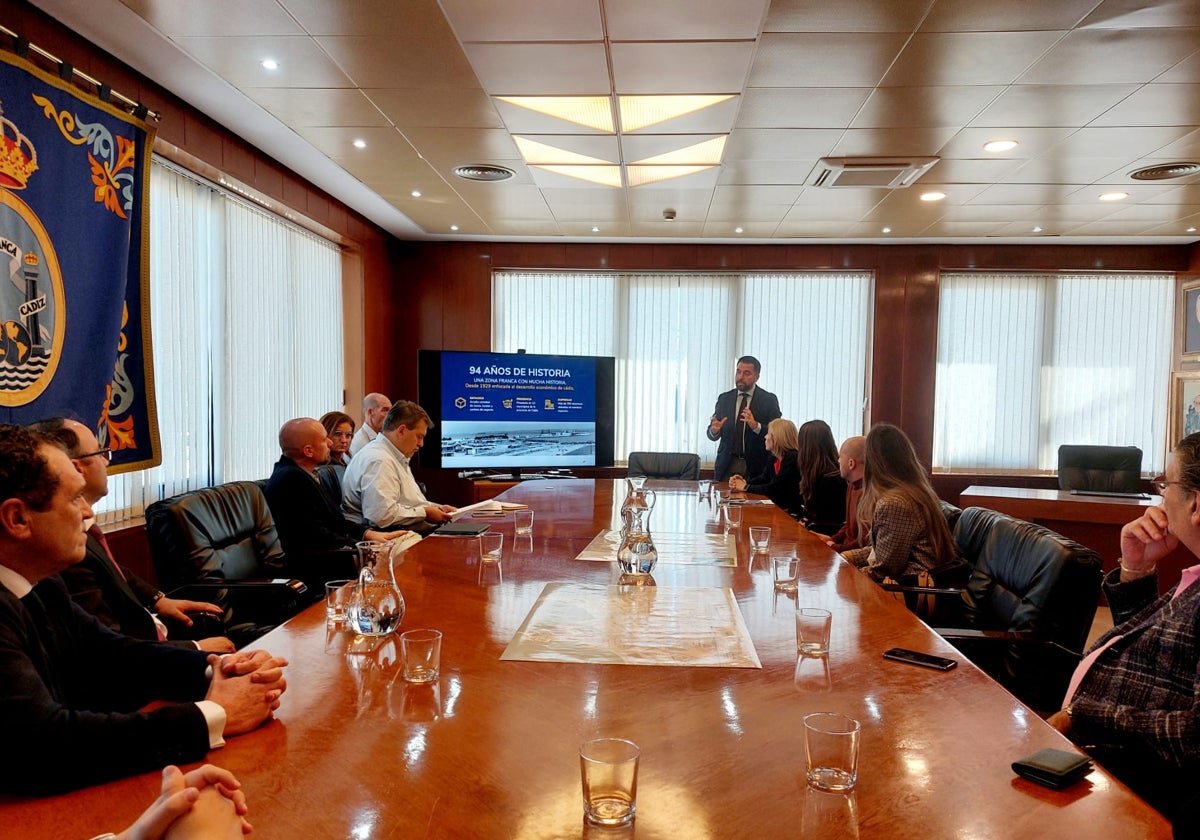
486 506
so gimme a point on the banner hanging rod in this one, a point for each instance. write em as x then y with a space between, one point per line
67 72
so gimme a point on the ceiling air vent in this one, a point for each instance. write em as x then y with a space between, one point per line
483 172
1166 171
876 173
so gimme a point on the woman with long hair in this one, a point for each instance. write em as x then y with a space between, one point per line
780 479
907 531
822 488
340 429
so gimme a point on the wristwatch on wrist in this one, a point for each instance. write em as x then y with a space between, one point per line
159 595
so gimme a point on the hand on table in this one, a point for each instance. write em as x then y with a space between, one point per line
206 802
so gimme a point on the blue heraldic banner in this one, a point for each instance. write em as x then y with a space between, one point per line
74 238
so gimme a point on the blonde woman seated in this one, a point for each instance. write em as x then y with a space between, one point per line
780 479
907 531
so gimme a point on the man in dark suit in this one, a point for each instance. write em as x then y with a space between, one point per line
70 686
740 421
317 539
112 593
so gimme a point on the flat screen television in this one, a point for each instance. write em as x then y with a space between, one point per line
516 412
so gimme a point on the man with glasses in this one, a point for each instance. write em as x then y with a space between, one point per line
1132 703
111 592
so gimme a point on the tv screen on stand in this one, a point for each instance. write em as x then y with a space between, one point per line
516 413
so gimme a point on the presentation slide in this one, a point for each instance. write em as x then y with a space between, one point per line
518 411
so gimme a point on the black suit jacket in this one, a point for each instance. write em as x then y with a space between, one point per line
782 488
119 603
825 509
765 407
317 539
70 688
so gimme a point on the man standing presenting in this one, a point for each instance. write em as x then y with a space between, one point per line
374 407
1132 703
378 489
314 533
70 688
852 459
112 593
740 421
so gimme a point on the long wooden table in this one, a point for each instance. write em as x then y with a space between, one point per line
490 750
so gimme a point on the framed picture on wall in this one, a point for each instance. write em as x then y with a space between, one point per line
1185 406
1191 320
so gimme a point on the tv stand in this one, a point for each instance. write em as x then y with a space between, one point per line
485 487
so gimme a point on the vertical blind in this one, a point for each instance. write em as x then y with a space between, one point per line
676 338
247 333
1029 362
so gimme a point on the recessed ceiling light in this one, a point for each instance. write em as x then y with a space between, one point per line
595 229
1191 230
453 227
1037 228
887 230
933 196
738 230
1113 196
1000 145
270 64
416 193
360 143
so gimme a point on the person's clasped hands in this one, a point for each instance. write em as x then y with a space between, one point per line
247 685
206 802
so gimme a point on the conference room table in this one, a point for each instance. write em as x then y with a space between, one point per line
490 750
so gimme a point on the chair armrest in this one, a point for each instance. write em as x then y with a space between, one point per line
1007 637
196 590
921 590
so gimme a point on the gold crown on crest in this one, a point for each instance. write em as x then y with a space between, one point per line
17 164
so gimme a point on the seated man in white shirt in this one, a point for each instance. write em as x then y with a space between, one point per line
378 489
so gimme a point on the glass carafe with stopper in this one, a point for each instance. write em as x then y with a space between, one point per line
637 555
376 607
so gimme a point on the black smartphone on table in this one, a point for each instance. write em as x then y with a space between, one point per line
924 660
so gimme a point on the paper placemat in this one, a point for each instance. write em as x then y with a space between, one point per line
634 625
684 549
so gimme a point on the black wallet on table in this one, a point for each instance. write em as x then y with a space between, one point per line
1053 768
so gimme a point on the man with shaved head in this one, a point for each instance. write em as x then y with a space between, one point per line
314 533
374 407
120 599
852 459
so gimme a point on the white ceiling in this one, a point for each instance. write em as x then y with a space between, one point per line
1091 89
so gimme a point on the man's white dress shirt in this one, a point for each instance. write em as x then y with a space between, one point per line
379 490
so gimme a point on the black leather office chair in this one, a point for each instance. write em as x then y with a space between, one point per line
219 544
681 465
1027 607
330 476
1113 469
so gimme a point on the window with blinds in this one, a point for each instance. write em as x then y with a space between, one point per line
676 338
1029 362
247 333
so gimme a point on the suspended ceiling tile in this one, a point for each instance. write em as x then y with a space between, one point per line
832 213
1071 214
800 107
215 17
813 230
1112 56
740 214
944 227
750 230
1128 142
837 59
693 67
1184 194
1179 228
535 20
383 143
752 195
1156 104
417 108
490 200
1064 170
1024 194
864 199
667 230
1004 213
611 209
299 107
388 62
780 143
458 146
765 171
1156 213
584 229
1185 72
513 227
1120 174
1105 227
904 107
899 229
1120 14
845 15
1186 147
1136 191
892 142
301 62
1051 105
1004 15
540 69
968 143
968 58
975 170
1048 231
900 207
380 18
682 20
